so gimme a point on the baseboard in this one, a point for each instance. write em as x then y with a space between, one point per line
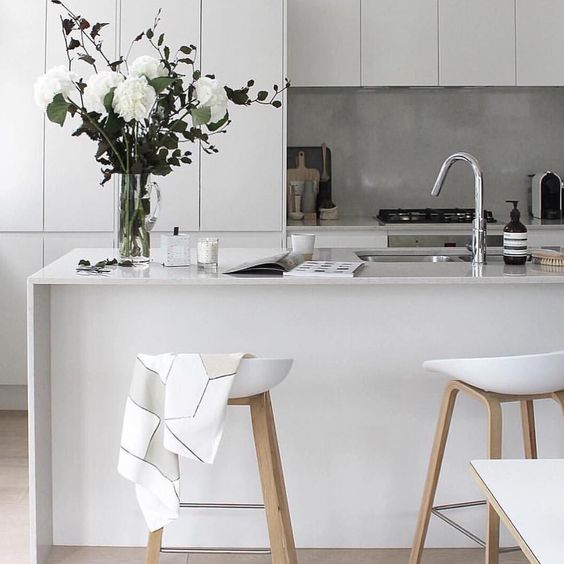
13 398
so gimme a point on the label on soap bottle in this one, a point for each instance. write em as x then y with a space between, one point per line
515 244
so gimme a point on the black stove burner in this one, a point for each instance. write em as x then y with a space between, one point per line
430 215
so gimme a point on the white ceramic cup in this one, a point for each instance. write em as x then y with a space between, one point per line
303 243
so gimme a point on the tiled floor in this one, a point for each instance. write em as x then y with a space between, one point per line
14 526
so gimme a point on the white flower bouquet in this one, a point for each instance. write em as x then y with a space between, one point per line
140 113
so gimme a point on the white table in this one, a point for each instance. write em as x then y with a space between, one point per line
528 495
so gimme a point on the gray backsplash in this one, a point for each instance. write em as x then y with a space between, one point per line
388 143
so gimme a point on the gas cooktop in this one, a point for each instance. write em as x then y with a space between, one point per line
431 215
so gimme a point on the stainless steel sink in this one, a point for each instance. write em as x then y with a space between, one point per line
408 258
424 255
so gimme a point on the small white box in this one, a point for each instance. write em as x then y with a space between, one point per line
176 249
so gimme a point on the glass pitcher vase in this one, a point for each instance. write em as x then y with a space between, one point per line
136 219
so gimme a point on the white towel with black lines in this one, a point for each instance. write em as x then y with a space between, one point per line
176 407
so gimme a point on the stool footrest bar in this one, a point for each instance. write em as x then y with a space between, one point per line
437 511
212 550
223 505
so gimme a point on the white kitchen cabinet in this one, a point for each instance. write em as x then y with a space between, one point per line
55 247
324 42
19 257
180 21
74 200
540 42
399 43
21 133
242 187
477 43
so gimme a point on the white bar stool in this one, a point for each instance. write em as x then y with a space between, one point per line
493 381
252 385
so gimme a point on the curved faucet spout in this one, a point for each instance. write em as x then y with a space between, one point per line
479 225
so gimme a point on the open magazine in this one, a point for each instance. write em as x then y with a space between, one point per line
277 264
292 264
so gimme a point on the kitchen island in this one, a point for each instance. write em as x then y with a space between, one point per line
356 416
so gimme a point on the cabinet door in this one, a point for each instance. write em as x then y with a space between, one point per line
324 42
477 43
21 133
180 21
540 42
399 43
20 257
74 199
242 186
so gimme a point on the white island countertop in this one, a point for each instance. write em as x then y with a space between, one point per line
63 271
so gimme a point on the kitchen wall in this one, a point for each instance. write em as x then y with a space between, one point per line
389 143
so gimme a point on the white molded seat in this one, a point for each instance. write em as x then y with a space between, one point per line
259 375
520 375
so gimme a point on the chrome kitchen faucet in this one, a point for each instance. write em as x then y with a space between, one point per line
479 225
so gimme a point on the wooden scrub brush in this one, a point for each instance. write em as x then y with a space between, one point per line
548 257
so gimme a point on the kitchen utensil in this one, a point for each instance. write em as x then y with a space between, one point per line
548 257
324 193
309 197
324 175
302 172
329 213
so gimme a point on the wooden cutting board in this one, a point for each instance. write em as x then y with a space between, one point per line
302 172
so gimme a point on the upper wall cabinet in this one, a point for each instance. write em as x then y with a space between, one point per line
477 42
180 21
324 42
22 37
540 42
399 43
74 200
242 186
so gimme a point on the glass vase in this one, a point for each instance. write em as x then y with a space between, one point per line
136 219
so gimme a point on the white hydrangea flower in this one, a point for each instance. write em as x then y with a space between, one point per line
97 88
58 80
211 94
133 98
147 66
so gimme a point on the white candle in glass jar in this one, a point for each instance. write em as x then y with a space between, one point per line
208 251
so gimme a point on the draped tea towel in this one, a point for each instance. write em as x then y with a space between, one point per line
176 406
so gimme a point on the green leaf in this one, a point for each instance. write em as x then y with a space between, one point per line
201 115
161 39
149 33
87 59
185 50
109 99
161 83
218 124
262 95
277 104
178 126
57 110
169 142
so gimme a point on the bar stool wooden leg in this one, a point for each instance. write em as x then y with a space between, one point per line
494 452
559 398
153 553
272 480
433 473
529 431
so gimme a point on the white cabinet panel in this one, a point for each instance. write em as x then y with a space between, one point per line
19 257
55 247
399 43
324 42
477 43
242 186
21 134
74 200
540 42
180 21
